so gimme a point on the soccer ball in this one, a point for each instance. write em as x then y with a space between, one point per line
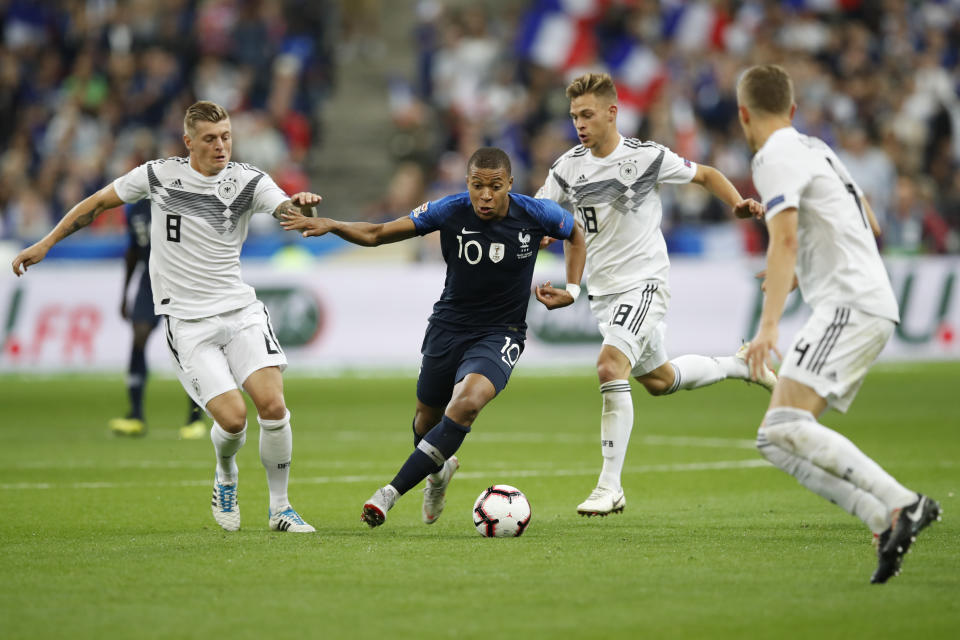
501 511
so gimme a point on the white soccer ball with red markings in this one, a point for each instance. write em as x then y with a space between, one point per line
501 511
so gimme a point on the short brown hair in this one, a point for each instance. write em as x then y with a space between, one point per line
489 158
599 84
766 88
203 110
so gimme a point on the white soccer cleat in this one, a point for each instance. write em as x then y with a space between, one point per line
286 519
767 379
375 509
435 493
602 501
226 509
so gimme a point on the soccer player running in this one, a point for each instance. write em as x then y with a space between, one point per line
612 184
144 321
822 229
489 239
219 335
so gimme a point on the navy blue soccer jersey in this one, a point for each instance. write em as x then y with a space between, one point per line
138 228
489 263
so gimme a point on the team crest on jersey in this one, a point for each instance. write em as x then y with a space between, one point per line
524 239
628 172
496 251
227 189
420 209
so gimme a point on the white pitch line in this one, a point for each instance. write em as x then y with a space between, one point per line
348 479
532 438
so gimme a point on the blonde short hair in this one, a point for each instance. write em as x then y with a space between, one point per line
203 110
599 84
766 88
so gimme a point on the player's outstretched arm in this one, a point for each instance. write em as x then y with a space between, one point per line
365 234
77 218
781 263
304 203
575 255
717 184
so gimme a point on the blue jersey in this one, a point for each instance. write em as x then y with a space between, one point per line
138 229
489 263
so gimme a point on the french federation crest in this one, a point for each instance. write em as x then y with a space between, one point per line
524 239
496 251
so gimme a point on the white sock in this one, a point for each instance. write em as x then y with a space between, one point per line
693 372
276 449
851 499
616 423
226 445
796 431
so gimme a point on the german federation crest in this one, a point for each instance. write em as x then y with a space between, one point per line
496 251
227 190
628 172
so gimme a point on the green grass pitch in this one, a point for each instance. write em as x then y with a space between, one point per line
112 538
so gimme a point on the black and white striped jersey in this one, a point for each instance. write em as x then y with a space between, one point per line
838 263
197 228
616 198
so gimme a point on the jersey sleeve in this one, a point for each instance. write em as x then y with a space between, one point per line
778 184
555 188
429 216
133 186
556 221
675 169
267 196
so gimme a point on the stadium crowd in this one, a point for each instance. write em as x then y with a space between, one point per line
879 81
90 88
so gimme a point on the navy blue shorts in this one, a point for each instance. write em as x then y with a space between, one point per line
143 303
448 356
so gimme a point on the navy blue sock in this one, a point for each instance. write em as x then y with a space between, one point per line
136 381
194 413
439 444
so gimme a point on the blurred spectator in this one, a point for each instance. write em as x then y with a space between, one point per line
915 226
87 87
871 168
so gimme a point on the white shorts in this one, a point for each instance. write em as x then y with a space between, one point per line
216 354
632 322
833 352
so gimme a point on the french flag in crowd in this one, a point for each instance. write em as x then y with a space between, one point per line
558 34
639 75
694 26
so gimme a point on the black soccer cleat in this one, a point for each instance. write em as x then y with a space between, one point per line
894 543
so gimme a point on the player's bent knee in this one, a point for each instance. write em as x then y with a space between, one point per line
229 411
272 408
464 411
655 386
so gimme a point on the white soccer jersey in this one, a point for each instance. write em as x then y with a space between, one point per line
616 199
198 224
837 258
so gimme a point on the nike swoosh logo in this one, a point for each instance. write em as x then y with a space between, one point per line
918 512
465 232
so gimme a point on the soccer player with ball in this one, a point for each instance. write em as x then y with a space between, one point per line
612 184
489 239
218 333
822 229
